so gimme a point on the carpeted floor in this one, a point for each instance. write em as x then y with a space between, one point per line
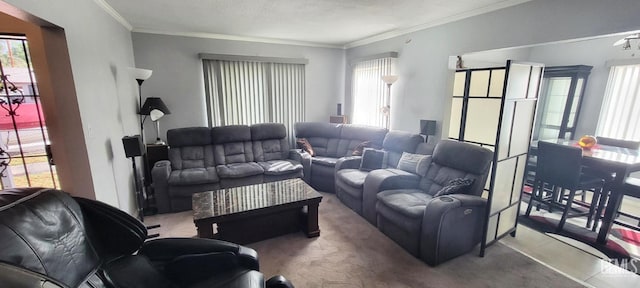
352 253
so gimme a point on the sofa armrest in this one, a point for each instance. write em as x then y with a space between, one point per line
160 176
168 249
305 159
451 226
349 162
380 180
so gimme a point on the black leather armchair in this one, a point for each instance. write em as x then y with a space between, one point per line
50 239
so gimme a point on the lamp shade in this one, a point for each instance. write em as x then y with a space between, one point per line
142 74
428 127
153 103
390 79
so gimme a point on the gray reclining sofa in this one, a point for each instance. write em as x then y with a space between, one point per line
202 159
333 142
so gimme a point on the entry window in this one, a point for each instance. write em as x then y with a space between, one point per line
23 131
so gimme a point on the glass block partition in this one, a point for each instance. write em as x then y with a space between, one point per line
495 108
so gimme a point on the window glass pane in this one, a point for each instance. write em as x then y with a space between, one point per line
574 104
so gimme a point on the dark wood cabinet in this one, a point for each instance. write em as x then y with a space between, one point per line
154 154
560 101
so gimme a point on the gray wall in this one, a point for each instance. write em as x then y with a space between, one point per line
423 89
101 52
178 75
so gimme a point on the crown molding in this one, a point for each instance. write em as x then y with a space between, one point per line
113 13
238 38
442 21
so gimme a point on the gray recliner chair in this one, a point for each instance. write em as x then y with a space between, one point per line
350 180
436 229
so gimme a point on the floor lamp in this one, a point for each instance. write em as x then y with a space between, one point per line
141 75
389 80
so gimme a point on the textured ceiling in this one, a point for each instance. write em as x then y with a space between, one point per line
322 22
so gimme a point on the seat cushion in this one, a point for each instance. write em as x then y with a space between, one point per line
120 272
352 177
324 161
193 176
239 170
408 202
280 167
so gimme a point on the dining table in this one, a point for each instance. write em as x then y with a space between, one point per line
610 159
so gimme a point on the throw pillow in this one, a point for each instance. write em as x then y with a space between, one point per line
414 163
303 144
455 186
373 159
357 151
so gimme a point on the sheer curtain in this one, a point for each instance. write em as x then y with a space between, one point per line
246 92
619 115
369 91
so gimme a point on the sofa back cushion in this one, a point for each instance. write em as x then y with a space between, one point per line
323 137
232 144
396 142
452 160
353 135
269 142
190 147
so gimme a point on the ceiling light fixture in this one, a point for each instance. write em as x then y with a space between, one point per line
626 41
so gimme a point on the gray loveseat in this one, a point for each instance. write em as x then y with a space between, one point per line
202 159
333 142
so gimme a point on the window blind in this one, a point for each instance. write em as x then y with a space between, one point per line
248 92
619 115
369 91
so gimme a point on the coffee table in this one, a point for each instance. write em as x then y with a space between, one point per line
252 213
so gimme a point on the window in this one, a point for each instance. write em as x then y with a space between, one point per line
619 116
250 92
369 91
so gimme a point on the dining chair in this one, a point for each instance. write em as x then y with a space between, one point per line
608 177
560 166
631 188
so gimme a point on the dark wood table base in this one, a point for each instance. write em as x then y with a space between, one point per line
263 224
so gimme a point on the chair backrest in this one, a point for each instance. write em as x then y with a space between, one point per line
43 230
559 164
396 142
451 160
629 144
